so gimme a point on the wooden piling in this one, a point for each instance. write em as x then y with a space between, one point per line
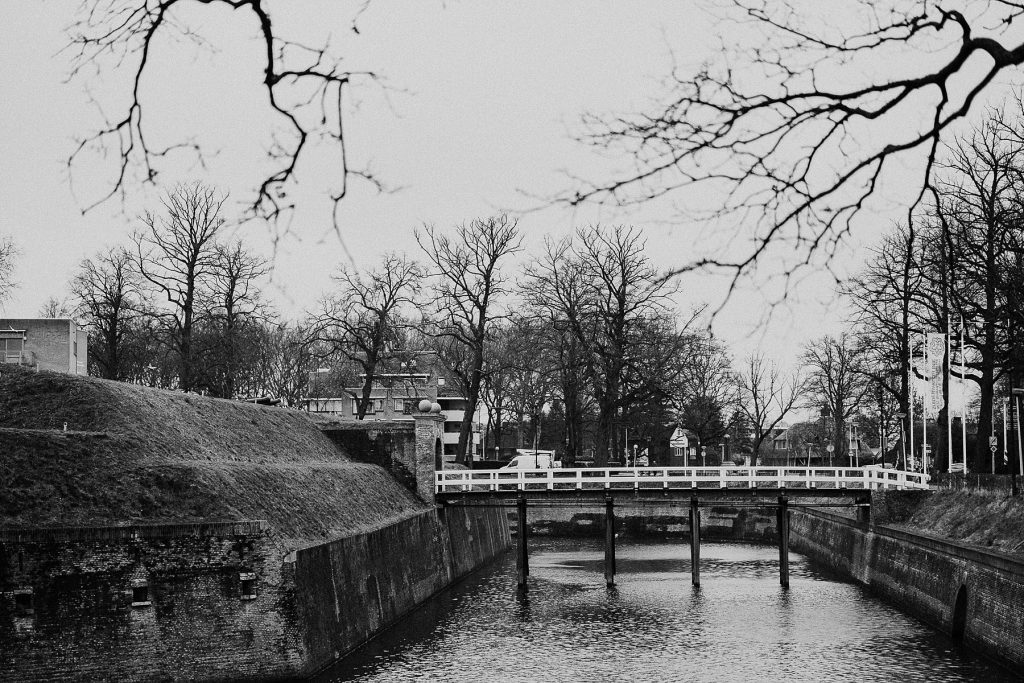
695 541
522 554
783 527
609 542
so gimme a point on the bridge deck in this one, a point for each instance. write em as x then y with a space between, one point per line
672 483
648 497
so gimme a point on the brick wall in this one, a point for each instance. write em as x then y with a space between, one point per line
87 616
924 575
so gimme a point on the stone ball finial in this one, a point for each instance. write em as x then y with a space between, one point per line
435 408
425 406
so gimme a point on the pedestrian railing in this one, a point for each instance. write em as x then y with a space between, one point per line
592 478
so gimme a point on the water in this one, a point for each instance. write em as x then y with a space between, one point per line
740 625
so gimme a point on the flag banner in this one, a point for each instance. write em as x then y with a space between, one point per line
936 352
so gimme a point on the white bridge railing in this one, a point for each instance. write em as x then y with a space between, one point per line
592 478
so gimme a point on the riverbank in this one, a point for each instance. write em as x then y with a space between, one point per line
976 596
154 535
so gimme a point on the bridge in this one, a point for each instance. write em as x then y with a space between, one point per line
692 487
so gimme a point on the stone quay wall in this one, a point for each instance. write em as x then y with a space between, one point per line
974 595
220 601
350 589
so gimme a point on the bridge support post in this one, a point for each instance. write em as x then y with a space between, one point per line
695 541
783 527
864 511
609 542
522 553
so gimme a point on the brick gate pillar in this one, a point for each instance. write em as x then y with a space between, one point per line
429 447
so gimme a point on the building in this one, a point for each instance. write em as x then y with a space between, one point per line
395 395
55 344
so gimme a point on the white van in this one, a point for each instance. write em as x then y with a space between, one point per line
530 460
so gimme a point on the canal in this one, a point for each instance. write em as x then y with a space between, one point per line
654 626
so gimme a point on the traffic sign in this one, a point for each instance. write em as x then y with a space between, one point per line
830 448
993 442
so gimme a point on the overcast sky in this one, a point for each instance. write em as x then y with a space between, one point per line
485 98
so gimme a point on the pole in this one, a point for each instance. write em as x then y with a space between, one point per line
522 558
948 370
783 524
963 395
1006 448
695 541
609 542
1020 453
910 408
926 398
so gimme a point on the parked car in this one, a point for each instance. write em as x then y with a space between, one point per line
533 461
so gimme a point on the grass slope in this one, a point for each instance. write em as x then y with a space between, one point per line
987 520
133 454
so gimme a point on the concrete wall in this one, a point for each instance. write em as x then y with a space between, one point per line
924 576
350 589
52 343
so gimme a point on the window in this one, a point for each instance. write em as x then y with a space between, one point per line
408 406
140 593
247 585
355 406
24 605
12 345
399 405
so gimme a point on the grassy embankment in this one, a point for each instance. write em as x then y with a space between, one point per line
137 455
994 521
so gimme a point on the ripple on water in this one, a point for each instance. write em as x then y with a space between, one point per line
654 626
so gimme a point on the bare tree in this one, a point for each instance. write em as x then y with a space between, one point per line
888 296
285 363
8 253
106 291
766 395
705 388
470 284
604 290
234 303
798 120
176 254
55 307
306 89
361 320
836 383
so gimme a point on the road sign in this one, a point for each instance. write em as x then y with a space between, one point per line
993 442
830 448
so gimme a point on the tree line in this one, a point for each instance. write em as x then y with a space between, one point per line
584 349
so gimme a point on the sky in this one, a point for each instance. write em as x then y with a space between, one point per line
478 117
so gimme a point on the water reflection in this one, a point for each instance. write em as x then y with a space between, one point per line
654 625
